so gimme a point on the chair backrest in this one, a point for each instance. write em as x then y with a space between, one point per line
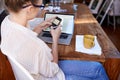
19 71
95 5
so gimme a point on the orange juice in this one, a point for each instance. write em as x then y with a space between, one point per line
89 41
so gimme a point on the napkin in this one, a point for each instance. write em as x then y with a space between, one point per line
96 50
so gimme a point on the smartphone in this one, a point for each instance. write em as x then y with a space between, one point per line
56 22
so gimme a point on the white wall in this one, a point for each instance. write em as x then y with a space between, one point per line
1 6
116 8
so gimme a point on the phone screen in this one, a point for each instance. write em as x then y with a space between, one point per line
56 21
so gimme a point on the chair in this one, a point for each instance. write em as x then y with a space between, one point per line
105 9
95 5
19 71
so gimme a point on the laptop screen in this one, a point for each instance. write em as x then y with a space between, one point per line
67 21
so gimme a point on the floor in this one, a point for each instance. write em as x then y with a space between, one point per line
114 35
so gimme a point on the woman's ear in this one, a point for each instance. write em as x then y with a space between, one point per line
31 12
29 9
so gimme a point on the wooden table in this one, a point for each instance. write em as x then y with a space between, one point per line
85 23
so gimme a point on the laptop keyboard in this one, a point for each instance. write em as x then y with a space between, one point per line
46 35
62 36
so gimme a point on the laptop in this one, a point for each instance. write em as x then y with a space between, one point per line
67 28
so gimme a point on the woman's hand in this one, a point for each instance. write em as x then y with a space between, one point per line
56 33
45 24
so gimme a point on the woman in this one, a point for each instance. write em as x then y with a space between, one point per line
33 54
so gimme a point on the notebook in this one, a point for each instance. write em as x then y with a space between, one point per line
67 28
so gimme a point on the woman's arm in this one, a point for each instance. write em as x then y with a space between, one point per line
45 24
38 29
55 34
